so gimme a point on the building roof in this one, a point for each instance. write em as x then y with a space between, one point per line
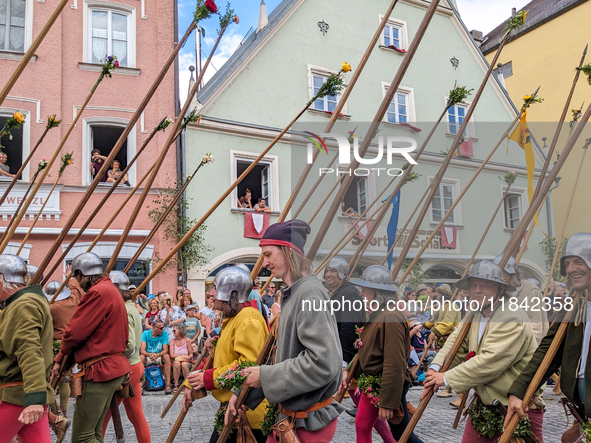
244 51
538 13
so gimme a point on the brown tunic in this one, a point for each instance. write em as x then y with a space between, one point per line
61 311
385 349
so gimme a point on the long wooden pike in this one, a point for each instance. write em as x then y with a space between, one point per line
122 139
465 326
459 197
315 186
355 226
103 201
374 127
22 168
172 205
22 202
334 117
19 216
416 368
27 57
561 120
169 142
446 163
100 234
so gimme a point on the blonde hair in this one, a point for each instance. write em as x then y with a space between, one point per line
155 299
299 265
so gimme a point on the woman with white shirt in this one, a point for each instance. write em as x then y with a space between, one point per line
171 314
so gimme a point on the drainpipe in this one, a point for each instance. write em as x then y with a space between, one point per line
177 109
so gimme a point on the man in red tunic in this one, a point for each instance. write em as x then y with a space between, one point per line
97 336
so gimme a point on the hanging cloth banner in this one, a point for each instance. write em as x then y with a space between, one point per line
522 136
393 226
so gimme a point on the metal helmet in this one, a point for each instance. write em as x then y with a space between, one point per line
13 268
120 279
52 287
578 245
243 266
376 277
32 270
232 279
510 267
88 263
486 271
340 264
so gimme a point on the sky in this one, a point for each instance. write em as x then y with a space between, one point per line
482 15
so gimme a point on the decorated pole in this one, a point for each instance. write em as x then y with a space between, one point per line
122 139
374 127
465 325
566 216
52 122
225 21
164 123
464 191
66 161
355 226
315 186
552 147
100 234
40 167
27 57
420 202
166 213
109 65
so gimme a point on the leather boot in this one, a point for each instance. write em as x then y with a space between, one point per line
456 404
60 426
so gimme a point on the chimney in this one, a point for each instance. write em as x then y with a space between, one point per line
263 19
477 36
191 84
513 11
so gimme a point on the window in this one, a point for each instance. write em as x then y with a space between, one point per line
262 181
328 103
512 209
398 110
12 25
355 201
455 118
442 201
12 148
401 109
392 35
109 33
102 133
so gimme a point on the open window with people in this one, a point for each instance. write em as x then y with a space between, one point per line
11 149
355 202
254 192
101 140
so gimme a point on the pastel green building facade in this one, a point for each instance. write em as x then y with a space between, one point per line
271 77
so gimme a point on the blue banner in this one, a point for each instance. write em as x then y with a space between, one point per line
393 226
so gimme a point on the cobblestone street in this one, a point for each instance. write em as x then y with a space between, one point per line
434 426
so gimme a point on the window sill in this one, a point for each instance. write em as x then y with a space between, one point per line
450 135
97 67
448 225
328 114
344 218
242 211
397 51
406 127
17 56
509 230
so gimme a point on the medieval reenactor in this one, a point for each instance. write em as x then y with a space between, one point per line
26 354
498 347
244 332
95 339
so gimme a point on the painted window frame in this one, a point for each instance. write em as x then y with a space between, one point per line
87 146
28 37
322 72
411 111
26 128
521 193
273 178
130 11
370 188
470 129
457 213
400 24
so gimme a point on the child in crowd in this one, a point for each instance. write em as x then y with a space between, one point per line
192 323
